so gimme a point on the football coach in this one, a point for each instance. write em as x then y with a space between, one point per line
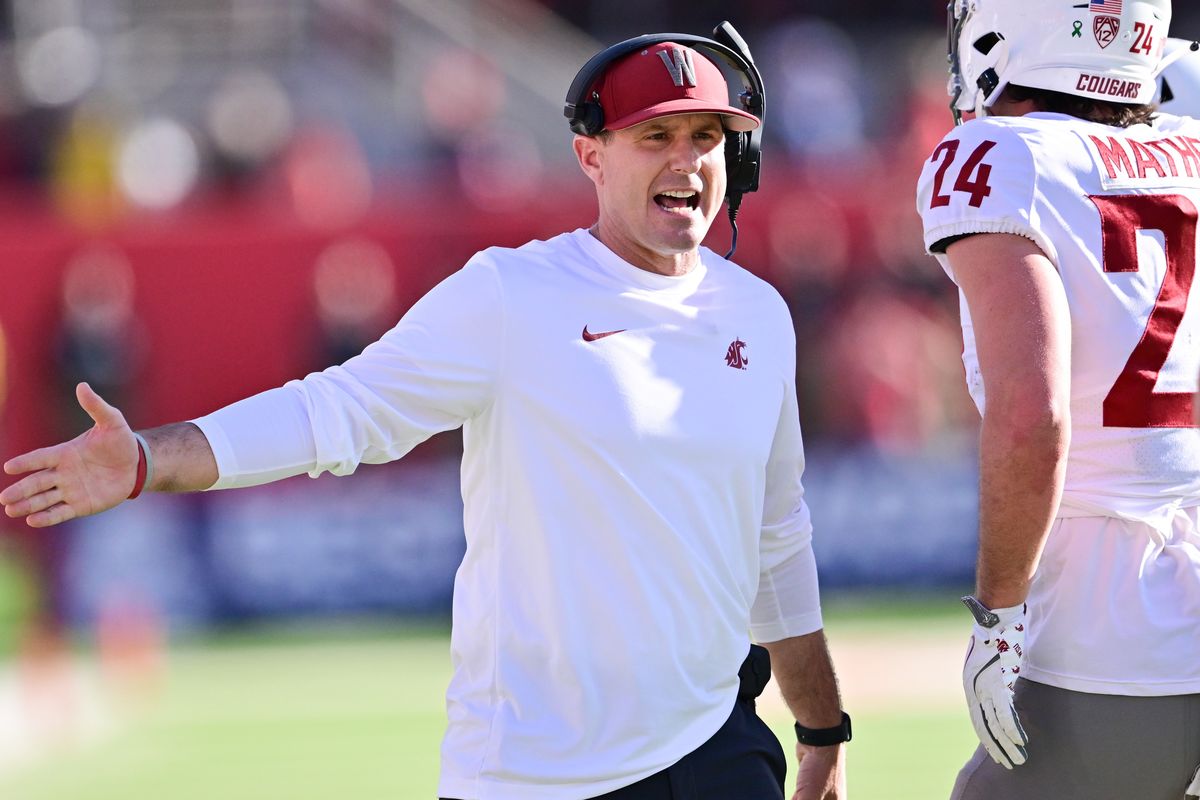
634 512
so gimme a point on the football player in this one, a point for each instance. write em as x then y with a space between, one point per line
1066 213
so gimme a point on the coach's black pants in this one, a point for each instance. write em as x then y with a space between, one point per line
742 760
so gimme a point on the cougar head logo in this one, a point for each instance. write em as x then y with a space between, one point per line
734 356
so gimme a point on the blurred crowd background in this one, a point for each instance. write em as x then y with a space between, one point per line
200 199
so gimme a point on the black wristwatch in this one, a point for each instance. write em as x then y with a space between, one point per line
824 737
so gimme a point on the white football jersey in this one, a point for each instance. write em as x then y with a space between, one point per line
1115 210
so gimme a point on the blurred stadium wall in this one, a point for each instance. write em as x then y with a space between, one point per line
200 199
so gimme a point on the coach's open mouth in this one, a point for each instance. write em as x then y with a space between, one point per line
682 199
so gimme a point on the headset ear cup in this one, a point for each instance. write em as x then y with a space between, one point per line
735 151
591 120
751 164
588 119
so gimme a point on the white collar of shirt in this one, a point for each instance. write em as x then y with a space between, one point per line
627 274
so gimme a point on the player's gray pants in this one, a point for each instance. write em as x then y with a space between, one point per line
1093 747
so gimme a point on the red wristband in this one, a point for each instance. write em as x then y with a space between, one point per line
139 482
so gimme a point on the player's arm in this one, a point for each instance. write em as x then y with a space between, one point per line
976 197
1023 338
99 468
804 671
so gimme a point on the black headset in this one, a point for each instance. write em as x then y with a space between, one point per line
743 150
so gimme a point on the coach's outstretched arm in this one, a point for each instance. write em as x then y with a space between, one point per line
98 469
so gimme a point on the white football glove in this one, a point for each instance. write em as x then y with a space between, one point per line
1193 789
992 665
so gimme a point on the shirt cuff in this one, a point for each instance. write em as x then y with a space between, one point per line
261 439
222 451
789 600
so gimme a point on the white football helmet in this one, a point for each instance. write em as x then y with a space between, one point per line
1180 82
1103 49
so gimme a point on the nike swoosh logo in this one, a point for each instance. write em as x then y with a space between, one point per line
591 337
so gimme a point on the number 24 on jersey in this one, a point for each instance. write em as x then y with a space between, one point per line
972 177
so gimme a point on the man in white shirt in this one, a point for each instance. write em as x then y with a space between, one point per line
631 477
1066 212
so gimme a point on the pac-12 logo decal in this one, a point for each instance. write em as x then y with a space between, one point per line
734 356
1106 29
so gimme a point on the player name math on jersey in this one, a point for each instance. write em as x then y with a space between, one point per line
1127 162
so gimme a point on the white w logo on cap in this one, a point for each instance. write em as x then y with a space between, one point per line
679 64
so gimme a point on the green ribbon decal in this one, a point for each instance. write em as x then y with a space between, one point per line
1078 32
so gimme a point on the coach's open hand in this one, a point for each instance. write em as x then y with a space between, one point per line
89 474
989 674
821 774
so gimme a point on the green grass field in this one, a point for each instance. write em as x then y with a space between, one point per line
357 713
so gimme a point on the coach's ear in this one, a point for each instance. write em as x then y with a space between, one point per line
589 150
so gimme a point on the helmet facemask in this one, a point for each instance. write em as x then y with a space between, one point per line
973 56
956 87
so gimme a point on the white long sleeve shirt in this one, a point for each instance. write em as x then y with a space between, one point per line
633 505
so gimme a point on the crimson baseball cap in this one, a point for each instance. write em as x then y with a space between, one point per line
665 79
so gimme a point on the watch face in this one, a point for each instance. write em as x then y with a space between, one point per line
980 612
